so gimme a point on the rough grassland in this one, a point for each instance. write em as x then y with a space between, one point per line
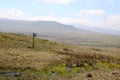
54 61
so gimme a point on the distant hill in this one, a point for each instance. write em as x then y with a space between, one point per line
34 26
60 32
99 30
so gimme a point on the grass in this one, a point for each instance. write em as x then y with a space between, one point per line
51 60
27 59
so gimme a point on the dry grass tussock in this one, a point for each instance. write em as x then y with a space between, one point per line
27 59
98 75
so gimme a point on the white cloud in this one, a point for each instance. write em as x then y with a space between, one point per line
95 12
59 1
11 13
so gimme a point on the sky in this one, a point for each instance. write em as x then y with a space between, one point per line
91 13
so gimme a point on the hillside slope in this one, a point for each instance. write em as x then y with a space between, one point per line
56 61
60 32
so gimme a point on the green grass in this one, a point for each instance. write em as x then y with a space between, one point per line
66 61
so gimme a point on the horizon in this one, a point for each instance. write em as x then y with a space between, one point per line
101 14
84 28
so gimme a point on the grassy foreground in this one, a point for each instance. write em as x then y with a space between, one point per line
55 61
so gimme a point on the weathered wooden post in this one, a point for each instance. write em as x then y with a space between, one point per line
34 35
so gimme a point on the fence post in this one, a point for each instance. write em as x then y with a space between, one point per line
34 35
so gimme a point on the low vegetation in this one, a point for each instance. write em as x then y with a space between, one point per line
55 61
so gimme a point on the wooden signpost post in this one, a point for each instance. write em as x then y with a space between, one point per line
34 35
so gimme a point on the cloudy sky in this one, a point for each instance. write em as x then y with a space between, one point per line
91 13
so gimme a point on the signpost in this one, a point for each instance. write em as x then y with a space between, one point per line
34 35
